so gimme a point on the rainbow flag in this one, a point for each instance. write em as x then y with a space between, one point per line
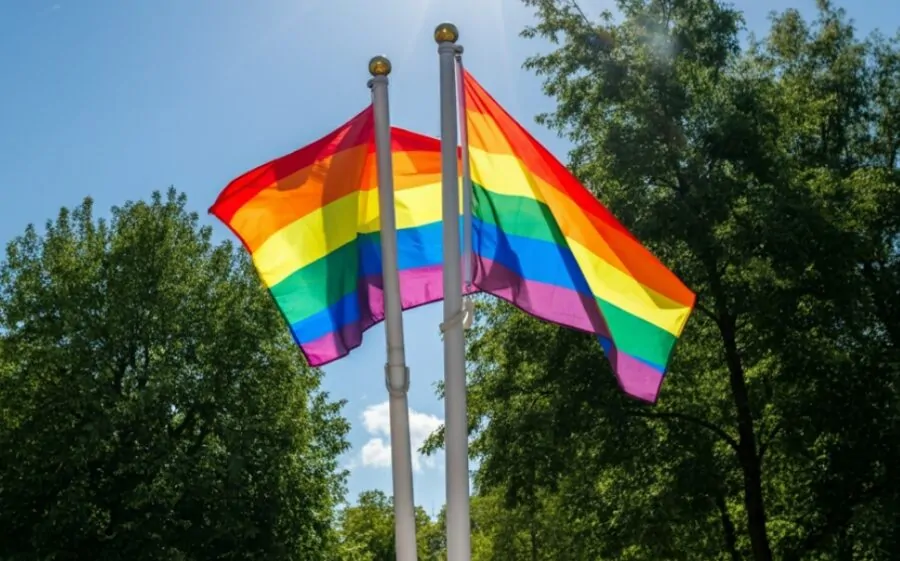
310 220
544 243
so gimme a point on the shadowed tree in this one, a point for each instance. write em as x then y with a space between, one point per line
766 178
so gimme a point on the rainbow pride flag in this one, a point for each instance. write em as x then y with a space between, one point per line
544 243
310 220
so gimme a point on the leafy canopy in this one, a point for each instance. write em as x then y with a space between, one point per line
152 405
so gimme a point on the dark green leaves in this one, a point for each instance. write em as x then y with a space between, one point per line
767 179
152 405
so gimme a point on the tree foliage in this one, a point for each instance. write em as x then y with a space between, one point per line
152 405
367 531
764 173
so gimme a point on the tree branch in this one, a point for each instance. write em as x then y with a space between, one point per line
574 4
718 431
706 311
187 422
764 444
728 530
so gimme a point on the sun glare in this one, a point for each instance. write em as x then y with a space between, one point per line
480 22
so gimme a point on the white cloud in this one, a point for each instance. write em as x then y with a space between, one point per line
377 421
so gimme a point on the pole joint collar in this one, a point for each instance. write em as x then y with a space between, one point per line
396 379
464 316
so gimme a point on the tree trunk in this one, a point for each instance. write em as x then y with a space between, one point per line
747 448
728 530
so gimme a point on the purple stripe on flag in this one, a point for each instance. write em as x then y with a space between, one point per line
544 301
420 286
571 309
636 377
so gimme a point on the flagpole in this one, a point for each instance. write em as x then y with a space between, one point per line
456 434
466 172
396 372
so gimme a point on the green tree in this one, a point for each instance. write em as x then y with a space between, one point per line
367 531
152 405
767 178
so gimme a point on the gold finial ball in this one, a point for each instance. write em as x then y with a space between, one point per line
379 66
446 33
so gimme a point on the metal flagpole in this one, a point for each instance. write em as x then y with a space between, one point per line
395 371
466 175
456 437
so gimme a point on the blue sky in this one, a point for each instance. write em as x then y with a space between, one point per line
115 99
